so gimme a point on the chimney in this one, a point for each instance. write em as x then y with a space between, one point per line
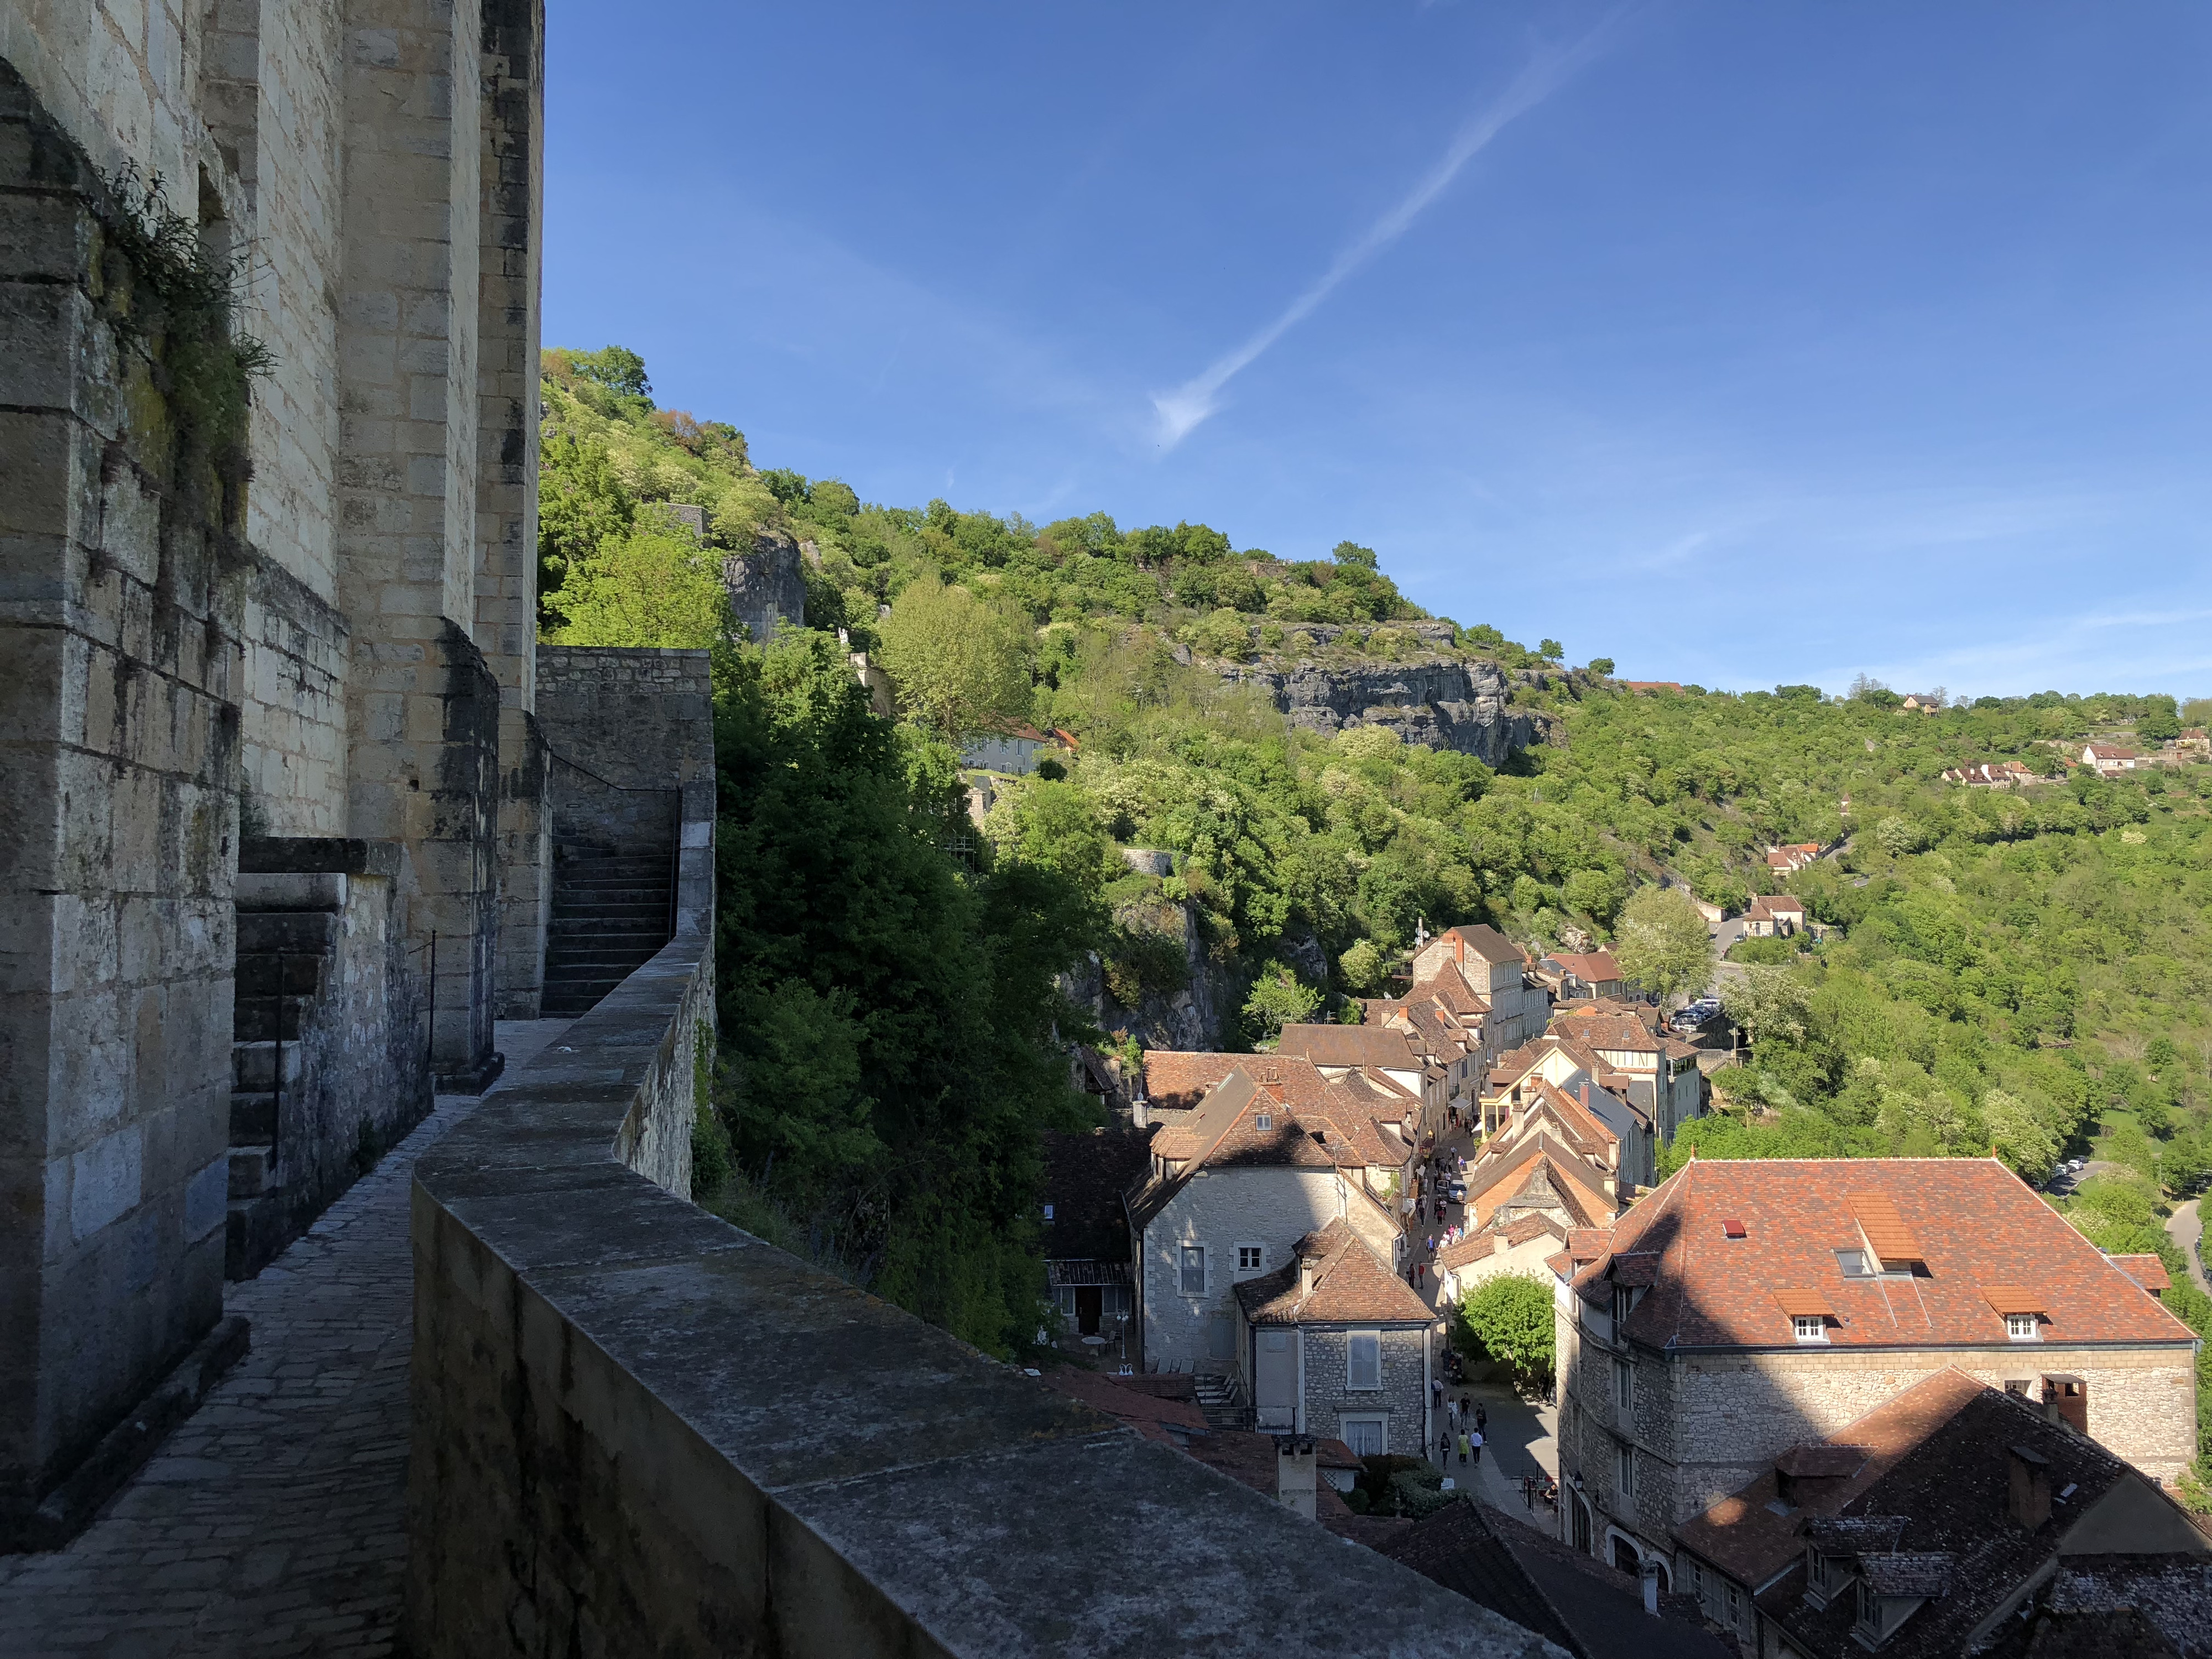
1294 1474
1652 1585
1586 1094
1459 949
2029 1498
1305 1274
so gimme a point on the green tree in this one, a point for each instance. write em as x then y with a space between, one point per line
1663 944
1351 553
1512 1316
961 665
1361 967
1550 650
1600 665
1278 999
2159 724
654 586
1767 1002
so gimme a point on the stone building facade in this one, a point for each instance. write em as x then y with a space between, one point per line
272 832
1744 1308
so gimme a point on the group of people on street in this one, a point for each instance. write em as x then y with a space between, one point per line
1465 1421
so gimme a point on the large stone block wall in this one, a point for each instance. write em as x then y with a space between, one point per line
297 652
120 673
637 1430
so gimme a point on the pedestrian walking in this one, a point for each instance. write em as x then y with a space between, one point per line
1451 1413
1443 1448
1436 1392
1462 1448
1475 1440
1481 1417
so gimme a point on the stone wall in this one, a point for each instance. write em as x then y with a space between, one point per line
638 1430
297 647
1444 702
1404 1394
120 675
1705 1425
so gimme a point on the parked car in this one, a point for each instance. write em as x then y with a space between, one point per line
1455 1190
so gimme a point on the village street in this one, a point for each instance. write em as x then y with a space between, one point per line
1520 1435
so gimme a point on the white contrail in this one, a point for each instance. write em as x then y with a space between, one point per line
1182 409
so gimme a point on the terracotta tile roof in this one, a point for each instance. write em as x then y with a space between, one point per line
1350 1285
1480 1247
1596 966
1593 1029
1241 1124
1974 1220
1350 1045
1084 1177
1774 907
2147 1271
1178 1081
1448 986
1149 1415
1585 1129
1545 1174
1485 942
1943 1501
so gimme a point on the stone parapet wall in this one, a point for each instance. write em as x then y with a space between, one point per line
638 1430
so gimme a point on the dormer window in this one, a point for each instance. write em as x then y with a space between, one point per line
1855 1264
2021 1327
1624 1302
1809 1328
1263 1121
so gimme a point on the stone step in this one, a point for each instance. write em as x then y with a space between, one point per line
585 885
270 973
646 860
252 1170
252 1117
260 1019
287 933
623 933
253 1067
630 894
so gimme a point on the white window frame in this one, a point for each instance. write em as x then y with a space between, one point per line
2023 1327
1624 1471
1380 1421
1809 1328
1624 1384
1259 1264
1183 1268
1352 1338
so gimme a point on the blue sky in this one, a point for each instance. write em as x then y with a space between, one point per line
1739 343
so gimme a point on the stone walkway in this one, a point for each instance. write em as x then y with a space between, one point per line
270 1523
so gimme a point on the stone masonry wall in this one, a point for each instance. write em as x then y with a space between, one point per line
1707 1425
296 652
1403 1396
637 1430
1275 1208
120 673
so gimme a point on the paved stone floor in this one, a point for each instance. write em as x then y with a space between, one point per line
271 1522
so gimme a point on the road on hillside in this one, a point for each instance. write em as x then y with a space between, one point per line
2186 1227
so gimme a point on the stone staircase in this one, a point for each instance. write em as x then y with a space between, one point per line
613 908
1221 1398
288 928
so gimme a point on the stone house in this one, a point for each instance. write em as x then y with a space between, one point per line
1745 1308
1930 1526
1014 749
2109 759
1656 1073
1789 860
1385 1055
1589 974
1774 915
1544 1175
1521 1246
1334 1342
1230 1188
1494 968
1086 1228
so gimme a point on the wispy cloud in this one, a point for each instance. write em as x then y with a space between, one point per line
1179 412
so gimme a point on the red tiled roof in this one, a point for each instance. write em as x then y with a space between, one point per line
1147 1413
1596 966
1484 941
1352 1285
1178 1081
1350 1045
1972 1219
2147 1271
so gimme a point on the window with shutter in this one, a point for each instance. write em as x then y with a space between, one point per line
1362 1360
1194 1270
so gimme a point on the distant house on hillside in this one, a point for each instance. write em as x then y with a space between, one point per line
1014 749
1990 774
1774 915
1928 703
2106 759
1653 686
1589 974
2193 743
1788 860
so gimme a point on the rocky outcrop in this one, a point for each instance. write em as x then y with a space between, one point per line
1453 702
1187 1016
765 584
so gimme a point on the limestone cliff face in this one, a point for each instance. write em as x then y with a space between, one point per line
1190 1017
765 584
1444 701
